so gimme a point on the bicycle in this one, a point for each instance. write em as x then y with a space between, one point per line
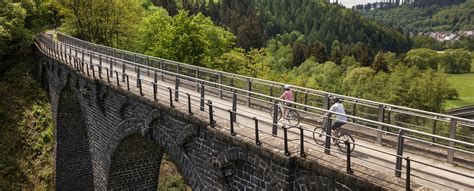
292 116
319 136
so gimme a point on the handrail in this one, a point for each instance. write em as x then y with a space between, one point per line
247 93
278 83
295 103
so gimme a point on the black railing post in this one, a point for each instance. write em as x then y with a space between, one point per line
93 71
295 98
100 71
212 123
302 153
257 137
189 104
249 89
138 73
354 109
408 181
176 85
433 139
117 78
139 82
348 154
398 163
128 83
108 77
111 68
124 67
234 106
285 138
452 135
171 97
197 77
275 118
381 120
306 100
327 146
271 93
232 132
220 85
155 91
202 96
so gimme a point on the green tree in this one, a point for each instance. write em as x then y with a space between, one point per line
190 39
108 22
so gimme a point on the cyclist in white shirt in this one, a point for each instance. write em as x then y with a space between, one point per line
340 119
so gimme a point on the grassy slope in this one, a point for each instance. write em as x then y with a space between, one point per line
464 84
26 136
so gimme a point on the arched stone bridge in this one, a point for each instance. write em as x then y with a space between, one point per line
111 135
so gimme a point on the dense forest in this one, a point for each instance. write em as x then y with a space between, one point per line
426 16
302 42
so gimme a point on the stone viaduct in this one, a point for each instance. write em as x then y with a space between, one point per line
111 139
118 112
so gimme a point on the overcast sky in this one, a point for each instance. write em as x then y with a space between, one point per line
350 3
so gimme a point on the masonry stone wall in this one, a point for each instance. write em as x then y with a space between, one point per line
126 135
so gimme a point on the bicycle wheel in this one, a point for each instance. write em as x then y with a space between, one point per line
342 145
318 135
272 110
293 117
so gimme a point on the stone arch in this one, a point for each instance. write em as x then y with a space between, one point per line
135 164
73 157
176 152
239 166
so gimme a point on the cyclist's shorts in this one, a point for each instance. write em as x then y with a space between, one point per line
337 125
288 104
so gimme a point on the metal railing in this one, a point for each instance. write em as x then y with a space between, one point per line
89 61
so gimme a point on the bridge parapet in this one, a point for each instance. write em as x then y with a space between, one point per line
171 88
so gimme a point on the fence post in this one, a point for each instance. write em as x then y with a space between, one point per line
139 82
128 84
302 153
327 145
380 119
452 135
117 78
433 139
108 77
271 93
137 69
408 185
234 106
257 138
348 154
354 109
327 101
197 77
124 67
211 115
171 97
155 91
176 94
275 119
398 163
189 104
231 123
306 100
249 89
220 86
285 137
202 97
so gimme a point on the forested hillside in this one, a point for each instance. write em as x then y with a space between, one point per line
426 16
324 26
